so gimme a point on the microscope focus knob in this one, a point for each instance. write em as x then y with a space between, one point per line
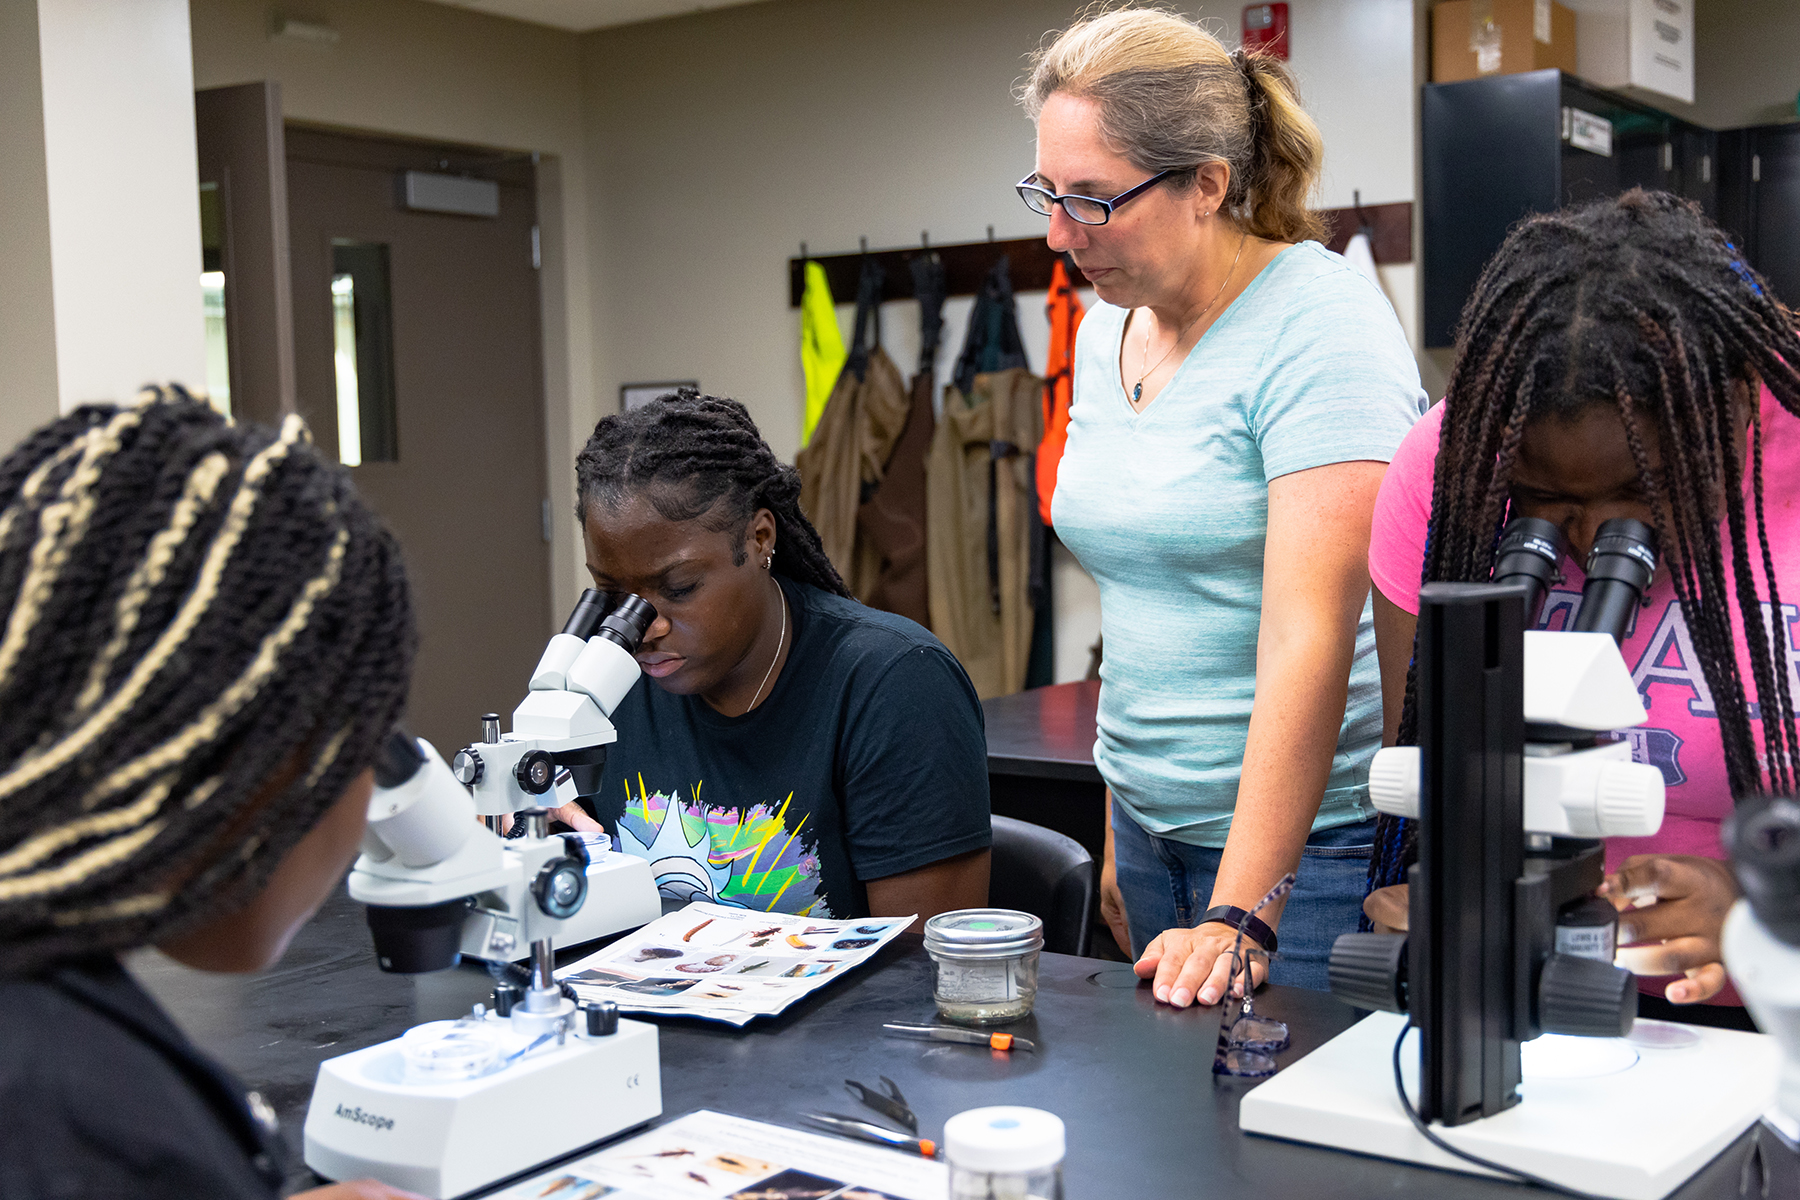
1368 970
602 1018
536 772
505 996
1628 800
467 766
1585 997
1394 781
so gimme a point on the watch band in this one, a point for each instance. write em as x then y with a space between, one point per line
1232 915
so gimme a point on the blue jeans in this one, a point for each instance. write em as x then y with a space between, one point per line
1168 885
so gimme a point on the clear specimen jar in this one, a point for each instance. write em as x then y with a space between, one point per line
987 963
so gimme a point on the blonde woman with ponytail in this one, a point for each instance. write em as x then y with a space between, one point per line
1238 393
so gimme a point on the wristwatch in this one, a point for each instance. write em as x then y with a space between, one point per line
1232 915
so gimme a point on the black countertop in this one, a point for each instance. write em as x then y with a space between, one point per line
1131 1078
1046 733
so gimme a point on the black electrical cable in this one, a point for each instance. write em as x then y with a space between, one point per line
1412 1115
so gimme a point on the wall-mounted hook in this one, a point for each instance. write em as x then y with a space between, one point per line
802 251
990 233
925 239
864 243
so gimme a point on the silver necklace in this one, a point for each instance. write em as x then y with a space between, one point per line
1137 393
780 641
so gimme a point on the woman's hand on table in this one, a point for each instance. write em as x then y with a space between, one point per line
1195 964
1684 900
356 1189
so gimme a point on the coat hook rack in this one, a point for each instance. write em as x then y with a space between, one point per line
966 264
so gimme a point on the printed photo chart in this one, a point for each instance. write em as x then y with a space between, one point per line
714 1156
727 964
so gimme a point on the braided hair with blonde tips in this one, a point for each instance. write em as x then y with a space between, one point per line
1640 304
694 456
204 635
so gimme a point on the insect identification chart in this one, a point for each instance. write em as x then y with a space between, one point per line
715 1156
727 964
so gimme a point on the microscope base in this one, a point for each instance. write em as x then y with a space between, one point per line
1637 1133
444 1140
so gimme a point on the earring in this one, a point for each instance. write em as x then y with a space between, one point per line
768 562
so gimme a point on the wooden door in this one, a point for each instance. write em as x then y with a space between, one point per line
465 489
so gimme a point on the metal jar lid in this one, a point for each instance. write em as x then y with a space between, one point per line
983 933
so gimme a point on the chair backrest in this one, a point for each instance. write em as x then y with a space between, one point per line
1049 875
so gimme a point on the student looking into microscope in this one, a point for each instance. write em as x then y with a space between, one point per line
794 751
1621 360
206 636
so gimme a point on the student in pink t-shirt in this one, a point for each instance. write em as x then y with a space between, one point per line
1631 309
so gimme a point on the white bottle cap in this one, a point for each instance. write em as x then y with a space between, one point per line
1004 1138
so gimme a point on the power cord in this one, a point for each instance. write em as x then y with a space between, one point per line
1419 1124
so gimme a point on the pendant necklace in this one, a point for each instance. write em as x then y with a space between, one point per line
780 641
1137 393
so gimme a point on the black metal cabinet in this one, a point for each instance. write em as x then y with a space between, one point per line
1759 201
1503 147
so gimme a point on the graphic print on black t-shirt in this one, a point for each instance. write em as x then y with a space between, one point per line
866 760
748 856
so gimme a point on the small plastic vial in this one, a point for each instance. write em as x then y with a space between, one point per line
1587 927
1004 1153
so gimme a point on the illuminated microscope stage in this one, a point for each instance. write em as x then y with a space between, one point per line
445 1139
1589 1116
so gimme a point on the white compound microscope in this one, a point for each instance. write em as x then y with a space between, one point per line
421 1112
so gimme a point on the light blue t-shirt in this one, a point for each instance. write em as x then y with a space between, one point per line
1168 510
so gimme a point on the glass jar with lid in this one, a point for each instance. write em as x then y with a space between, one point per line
987 963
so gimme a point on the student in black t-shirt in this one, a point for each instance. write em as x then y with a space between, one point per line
792 750
204 635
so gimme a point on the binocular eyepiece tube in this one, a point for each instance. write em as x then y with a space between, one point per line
1619 569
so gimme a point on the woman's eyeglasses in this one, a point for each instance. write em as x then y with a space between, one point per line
1086 209
1248 1043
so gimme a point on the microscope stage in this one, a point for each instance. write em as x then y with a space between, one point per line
1637 1133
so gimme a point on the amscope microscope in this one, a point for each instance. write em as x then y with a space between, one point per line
451 1106
1522 1064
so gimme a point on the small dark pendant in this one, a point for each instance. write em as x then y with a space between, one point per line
1137 393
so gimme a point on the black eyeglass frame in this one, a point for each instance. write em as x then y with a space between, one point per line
1026 188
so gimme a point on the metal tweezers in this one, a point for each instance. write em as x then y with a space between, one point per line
953 1033
890 1104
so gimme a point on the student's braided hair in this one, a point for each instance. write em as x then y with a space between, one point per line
203 637
691 456
1639 303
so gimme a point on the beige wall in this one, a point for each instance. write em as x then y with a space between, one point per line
27 314
723 140
412 69
727 138
99 214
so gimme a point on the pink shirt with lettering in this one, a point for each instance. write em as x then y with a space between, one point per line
1681 736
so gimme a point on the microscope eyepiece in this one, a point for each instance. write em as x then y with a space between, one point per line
1763 838
1531 551
587 615
398 758
627 624
1619 568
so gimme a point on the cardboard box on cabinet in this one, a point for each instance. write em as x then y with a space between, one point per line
1472 38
